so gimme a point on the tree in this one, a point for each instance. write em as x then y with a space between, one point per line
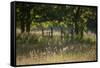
74 17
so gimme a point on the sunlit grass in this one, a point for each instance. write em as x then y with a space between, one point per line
35 49
53 57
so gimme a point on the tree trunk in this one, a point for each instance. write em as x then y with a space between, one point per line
22 26
76 19
76 28
51 32
61 33
28 26
72 33
42 32
28 19
81 33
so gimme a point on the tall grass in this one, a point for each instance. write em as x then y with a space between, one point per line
35 49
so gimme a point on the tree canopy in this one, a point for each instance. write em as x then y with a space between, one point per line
50 15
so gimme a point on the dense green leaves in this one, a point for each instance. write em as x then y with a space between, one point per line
51 16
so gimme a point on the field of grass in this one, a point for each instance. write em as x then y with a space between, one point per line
34 49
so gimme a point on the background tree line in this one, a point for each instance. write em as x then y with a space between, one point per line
77 18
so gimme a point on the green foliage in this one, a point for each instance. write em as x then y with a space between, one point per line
26 38
47 16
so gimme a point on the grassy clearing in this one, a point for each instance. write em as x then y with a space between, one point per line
40 58
35 49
